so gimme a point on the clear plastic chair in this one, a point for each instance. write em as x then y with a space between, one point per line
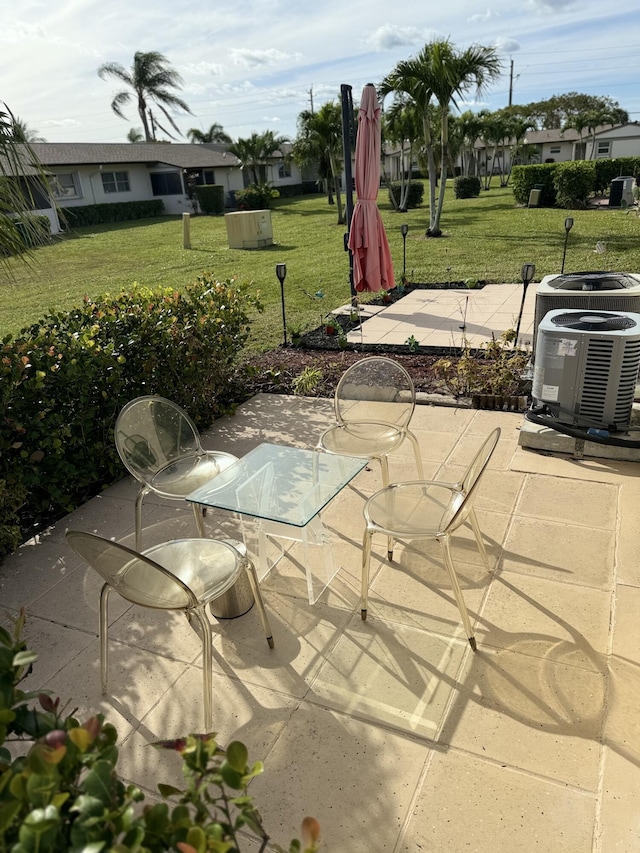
185 574
160 445
373 404
428 509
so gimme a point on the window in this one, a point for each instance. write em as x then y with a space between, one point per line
66 185
603 149
554 149
284 170
115 182
166 183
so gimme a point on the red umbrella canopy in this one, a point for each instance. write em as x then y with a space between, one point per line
372 267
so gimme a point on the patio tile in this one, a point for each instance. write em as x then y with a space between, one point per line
34 569
628 562
469 804
252 715
575 621
357 780
526 708
581 503
56 646
620 814
563 552
394 676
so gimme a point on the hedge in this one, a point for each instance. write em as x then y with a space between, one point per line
64 380
210 198
120 211
525 178
414 197
467 186
574 182
607 170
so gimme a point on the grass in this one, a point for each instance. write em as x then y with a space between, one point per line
487 238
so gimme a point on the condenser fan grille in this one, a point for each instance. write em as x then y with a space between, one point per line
593 321
593 281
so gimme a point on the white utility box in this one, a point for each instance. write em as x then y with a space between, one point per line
249 229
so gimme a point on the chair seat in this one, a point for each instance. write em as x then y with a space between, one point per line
362 438
182 476
415 510
208 567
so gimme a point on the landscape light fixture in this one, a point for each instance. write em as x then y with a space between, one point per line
568 225
527 273
404 229
281 272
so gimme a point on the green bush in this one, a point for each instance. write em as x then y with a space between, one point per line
210 198
467 186
525 178
256 197
574 183
414 196
64 380
608 169
121 211
65 794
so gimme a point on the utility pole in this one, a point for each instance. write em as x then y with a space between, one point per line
511 84
311 99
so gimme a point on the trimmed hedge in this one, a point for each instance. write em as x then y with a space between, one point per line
119 211
256 197
525 178
210 198
467 186
414 196
607 170
574 182
64 380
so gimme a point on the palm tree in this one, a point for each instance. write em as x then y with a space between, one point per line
319 141
402 127
256 151
23 182
23 133
135 135
470 127
214 134
150 80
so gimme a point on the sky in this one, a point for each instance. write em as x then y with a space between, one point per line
254 65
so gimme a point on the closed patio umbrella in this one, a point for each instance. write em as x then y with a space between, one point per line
372 267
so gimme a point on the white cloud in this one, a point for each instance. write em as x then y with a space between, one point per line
484 16
505 45
271 119
552 5
389 36
261 58
62 123
202 69
15 32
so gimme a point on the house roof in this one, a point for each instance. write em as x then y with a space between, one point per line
181 155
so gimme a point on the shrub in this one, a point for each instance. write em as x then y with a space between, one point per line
65 794
608 169
64 380
525 178
467 186
414 196
574 183
210 198
121 211
256 197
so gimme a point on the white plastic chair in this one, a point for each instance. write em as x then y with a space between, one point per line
185 574
428 509
373 404
160 446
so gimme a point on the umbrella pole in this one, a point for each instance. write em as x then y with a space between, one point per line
347 135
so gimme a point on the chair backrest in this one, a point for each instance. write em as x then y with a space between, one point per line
133 576
151 432
458 509
375 389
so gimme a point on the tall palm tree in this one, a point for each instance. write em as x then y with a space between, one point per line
214 134
470 127
150 80
319 141
23 133
256 151
403 127
23 182
135 135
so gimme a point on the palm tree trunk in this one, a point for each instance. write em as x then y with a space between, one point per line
336 184
431 166
434 230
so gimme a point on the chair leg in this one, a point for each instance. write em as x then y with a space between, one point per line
384 465
255 588
366 562
446 548
104 639
479 538
207 663
198 514
417 454
139 499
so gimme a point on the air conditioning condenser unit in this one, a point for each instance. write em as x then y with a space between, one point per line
586 367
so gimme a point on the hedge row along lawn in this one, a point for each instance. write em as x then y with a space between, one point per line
485 238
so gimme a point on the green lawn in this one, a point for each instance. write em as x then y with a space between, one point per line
485 238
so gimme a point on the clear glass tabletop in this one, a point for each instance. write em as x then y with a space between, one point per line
285 484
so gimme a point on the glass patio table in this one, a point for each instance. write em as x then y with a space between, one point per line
284 489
